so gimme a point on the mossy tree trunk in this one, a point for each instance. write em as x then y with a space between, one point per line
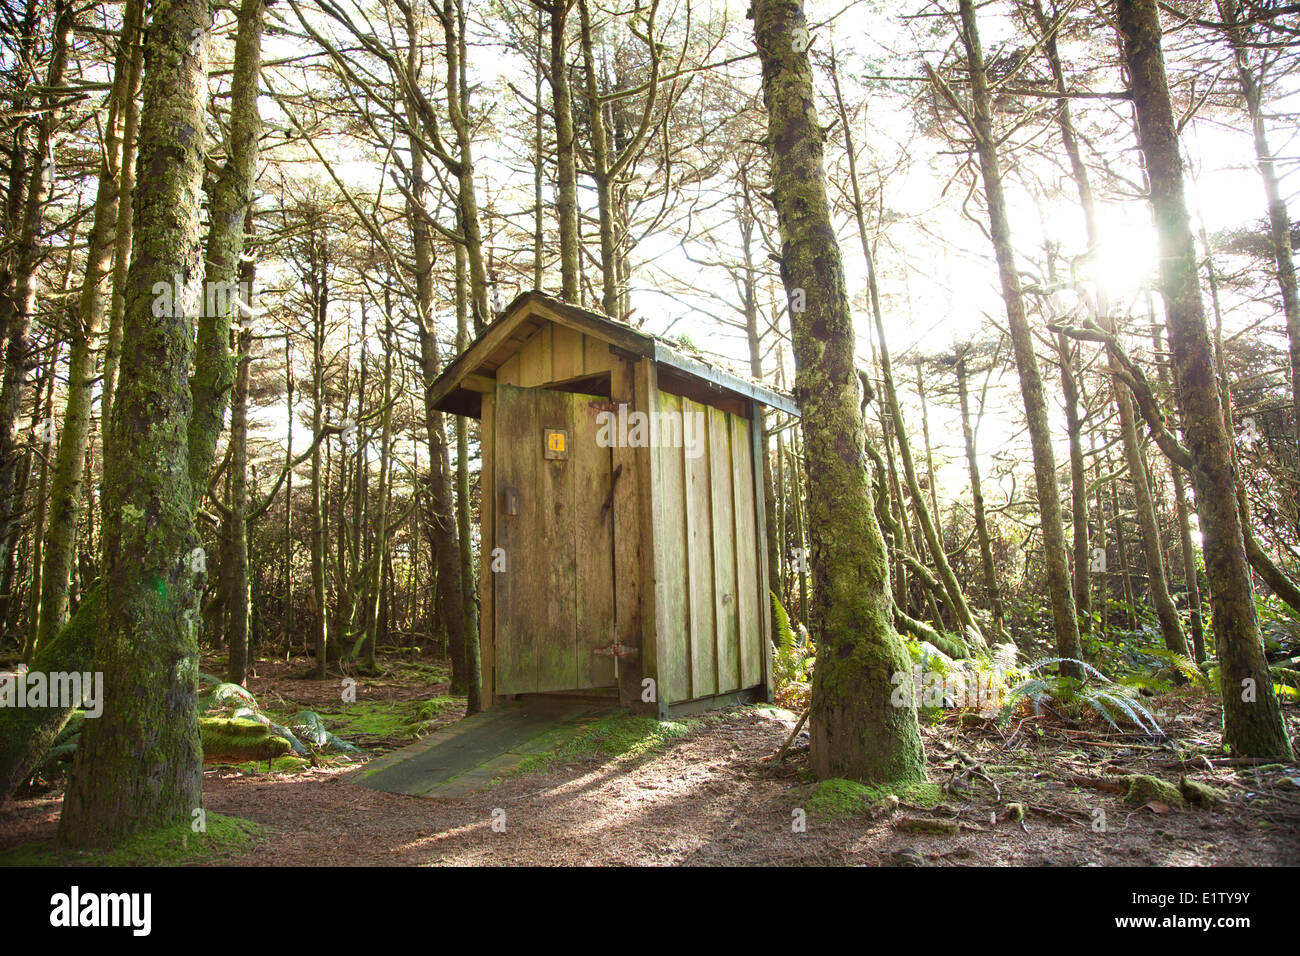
458 102
46 386
1064 620
234 568
464 537
1252 721
1187 552
19 135
471 298
139 765
856 731
70 463
214 365
318 298
963 618
122 238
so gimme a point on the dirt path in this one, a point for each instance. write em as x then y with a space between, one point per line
708 798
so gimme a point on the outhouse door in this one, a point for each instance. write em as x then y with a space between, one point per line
553 598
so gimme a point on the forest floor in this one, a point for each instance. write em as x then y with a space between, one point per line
705 790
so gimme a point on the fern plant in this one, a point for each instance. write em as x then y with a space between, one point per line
1181 663
1096 692
792 662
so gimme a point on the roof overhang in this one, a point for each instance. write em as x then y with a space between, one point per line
460 388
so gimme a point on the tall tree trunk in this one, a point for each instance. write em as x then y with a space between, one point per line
19 357
38 520
1279 219
214 366
450 593
463 535
453 19
20 165
1064 621
1078 485
1121 547
235 570
1252 721
994 596
69 465
319 291
140 764
122 238
857 732
1171 626
566 196
287 574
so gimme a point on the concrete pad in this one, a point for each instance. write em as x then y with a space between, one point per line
467 756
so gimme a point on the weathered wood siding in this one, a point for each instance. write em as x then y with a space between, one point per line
553 605
555 353
709 596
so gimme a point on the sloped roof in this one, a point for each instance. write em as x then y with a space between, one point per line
454 389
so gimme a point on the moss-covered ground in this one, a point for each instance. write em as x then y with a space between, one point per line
176 845
616 736
844 798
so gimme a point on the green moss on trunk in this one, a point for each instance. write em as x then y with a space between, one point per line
1252 721
26 733
857 730
139 766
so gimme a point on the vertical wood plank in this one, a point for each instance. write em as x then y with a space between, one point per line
646 390
746 554
566 348
508 373
554 543
699 513
757 452
487 541
722 512
513 651
672 560
594 606
626 518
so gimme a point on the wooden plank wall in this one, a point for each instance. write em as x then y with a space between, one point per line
709 614
555 353
554 603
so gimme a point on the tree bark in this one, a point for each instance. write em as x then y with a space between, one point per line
1279 219
1064 621
214 365
70 463
139 765
1078 486
19 356
856 731
994 596
1252 721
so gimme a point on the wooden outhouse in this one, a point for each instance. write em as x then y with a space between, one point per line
623 541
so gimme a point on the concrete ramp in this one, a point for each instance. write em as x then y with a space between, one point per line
465 757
